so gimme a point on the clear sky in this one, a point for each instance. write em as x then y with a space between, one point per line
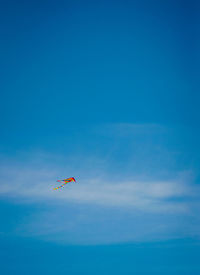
106 92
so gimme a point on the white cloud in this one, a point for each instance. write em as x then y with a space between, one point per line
131 190
32 182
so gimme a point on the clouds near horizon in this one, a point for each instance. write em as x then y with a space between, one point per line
104 185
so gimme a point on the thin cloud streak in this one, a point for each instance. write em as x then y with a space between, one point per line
131 188
148 196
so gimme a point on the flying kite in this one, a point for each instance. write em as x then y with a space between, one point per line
64 182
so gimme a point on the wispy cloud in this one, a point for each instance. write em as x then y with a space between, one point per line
132 129
33 182
140 206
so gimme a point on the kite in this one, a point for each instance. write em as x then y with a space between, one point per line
64 182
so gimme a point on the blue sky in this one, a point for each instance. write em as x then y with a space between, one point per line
107 92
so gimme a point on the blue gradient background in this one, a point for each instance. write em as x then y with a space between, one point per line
67 66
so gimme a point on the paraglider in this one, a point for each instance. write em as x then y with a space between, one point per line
65 181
